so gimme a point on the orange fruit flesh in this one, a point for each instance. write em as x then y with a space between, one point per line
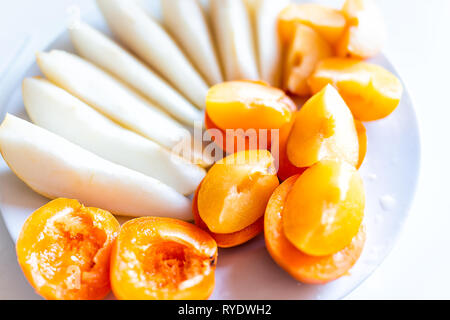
64 250
303 267
162 258
325 208
235 191
362 140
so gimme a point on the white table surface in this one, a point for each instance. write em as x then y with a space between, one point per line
419 47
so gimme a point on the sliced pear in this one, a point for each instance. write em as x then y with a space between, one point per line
110 97
55 167
52 108
234 36
187 23
268 43
105 53
142 34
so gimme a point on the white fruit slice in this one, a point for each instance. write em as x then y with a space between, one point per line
54 109
142 34
110 97
268 44
187 23
55 167
234 36
105 53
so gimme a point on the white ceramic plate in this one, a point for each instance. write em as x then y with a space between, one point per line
390 174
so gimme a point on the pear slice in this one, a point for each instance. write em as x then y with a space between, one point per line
142 34
55 167
186 21
105 53
264 15
110 97
52 108
234 36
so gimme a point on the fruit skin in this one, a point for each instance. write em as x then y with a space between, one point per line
306 49
328 22
55 167
230 239
54 109
163 259
365 34
370 91
235 191
64 250
324 128
302 267
325 208
132 25
362 141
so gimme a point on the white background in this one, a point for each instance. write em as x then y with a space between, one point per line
419 47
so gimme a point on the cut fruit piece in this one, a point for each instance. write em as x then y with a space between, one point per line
264 15
227 240
64 250
105 53
306 50
186 21
325 208
362 140
234 38
328 22
110 97
54 167
302 267
324 128
235 191
163 259
370 91
366 32
142 34
54 109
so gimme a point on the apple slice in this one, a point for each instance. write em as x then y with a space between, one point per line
264 14
110 97
142 34
323 129
306 50
234 36
187 23
55 167
105 53
52 108
366 31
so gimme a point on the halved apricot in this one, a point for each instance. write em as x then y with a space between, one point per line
362 140
64 250
230 239
324 128
370 91
306 49
324 208
365 33
328 22
235 191
163 259
303 267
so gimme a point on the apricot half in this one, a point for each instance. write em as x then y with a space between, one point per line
163 259
235 191
362 140
227 240
303 267
324 208
370 91
365 34
328 22
64 250
305 51
324 128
